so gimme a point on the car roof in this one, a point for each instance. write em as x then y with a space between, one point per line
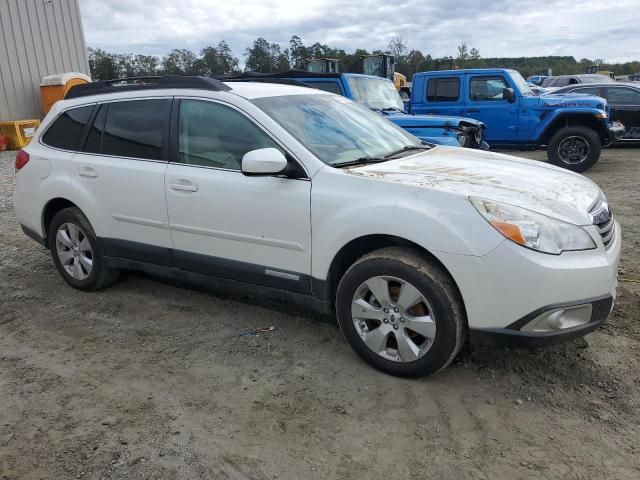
600 84
251 90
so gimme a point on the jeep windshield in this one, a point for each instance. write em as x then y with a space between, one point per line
338 131
375 93
521 83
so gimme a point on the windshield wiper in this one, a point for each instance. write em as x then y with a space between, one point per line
360 161
407 148
392 109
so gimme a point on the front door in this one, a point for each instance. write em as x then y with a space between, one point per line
484 101
226 224
625 108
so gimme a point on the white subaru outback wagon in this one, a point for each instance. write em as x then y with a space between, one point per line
302 194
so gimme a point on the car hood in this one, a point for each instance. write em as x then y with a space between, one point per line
529 184
560 100
405 120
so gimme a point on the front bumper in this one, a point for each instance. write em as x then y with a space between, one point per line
511 283
615 131
514 337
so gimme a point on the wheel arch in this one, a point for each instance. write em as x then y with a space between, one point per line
357 248
571 119
50 209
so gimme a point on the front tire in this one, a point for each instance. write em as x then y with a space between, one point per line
77 253
400 312
574 148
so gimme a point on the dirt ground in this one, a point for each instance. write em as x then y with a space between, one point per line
149 379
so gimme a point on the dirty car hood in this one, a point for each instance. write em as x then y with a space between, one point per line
559 100
537 186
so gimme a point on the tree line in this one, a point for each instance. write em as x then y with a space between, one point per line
266 57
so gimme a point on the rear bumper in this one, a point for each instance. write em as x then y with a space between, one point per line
513 337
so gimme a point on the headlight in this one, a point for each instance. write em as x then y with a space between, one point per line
533 230
462 139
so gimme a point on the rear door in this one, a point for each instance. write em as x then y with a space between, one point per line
625 108
484 101
119 174
443 96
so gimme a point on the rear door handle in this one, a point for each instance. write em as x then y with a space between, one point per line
183 187
433 111
473 110
87 172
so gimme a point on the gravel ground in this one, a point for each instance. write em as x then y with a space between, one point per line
149 379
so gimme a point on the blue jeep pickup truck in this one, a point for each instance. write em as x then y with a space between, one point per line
573 127
380 95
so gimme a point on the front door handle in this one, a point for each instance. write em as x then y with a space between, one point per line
473 110
184 187
433 111
87 172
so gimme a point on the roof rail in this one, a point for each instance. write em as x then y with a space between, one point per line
146 83
289 74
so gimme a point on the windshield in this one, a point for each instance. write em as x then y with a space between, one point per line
521 83
377 93
335 129
596 79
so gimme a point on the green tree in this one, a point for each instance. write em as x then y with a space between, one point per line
218 60
182 62
266 57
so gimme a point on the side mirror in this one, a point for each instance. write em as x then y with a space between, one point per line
509 94
264 161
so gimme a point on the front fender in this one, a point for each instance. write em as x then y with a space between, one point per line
553 117
345 207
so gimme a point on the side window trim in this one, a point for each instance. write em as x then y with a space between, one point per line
174 155
84 132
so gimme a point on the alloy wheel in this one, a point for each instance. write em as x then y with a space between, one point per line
74 251
393 319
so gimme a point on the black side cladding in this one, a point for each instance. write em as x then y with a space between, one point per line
146 83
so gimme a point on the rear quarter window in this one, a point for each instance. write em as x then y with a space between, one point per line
67 130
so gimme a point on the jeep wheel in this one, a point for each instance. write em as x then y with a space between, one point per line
574 148
400 312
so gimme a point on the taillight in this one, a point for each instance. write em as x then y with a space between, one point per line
21 159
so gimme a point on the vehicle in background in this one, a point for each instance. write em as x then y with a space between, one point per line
322 65
624 104
301 195
565 80
635 77
536 79
384 65
595 69
380 95
573 128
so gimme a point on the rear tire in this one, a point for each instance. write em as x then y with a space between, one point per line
382 339
574 148
77 253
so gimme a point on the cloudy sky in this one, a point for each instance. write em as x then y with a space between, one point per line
587 28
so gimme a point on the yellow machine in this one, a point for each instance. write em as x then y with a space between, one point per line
400 81
384 65
595 69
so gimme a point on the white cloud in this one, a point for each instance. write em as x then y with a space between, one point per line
582 28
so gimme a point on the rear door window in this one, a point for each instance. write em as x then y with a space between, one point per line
135 128
67 130
443 89
623 96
